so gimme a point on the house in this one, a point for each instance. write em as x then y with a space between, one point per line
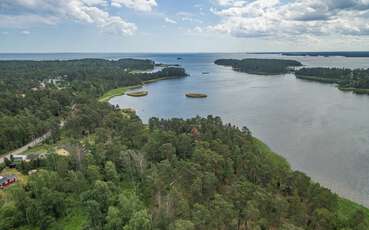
19 157
5 181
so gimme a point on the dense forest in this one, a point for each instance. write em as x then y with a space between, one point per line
354 80
169 174
36 95
175 174
260 66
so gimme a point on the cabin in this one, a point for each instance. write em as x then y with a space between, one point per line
6 181
19 157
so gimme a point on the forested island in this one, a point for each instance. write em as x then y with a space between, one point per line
119 173
356 80
260 66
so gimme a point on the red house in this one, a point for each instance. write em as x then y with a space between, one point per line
7 180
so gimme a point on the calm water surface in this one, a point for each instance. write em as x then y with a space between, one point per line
320 130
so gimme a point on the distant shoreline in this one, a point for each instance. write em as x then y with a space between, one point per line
352 54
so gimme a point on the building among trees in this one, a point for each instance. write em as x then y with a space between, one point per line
7 180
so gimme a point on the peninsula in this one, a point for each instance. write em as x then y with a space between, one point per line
356 80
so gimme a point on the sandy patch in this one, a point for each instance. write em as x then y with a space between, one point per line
62 152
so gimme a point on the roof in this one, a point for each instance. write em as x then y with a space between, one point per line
5 178
19 156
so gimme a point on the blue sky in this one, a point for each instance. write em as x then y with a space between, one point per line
183 25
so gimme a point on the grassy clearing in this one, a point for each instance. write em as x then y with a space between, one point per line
122 90
43 148
116 92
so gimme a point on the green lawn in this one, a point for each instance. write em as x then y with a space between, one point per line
122 90
116 92
42 148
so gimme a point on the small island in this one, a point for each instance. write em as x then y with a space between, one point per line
260 66
138 94
196 95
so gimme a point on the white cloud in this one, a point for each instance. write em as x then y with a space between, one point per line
255 18
168 20
188 17
140 5
196 30
25 32
226 2
25 21
25 13
95 2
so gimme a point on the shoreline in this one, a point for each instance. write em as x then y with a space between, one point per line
117 92
357 91
318 79
123 90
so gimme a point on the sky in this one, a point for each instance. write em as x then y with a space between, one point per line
183 25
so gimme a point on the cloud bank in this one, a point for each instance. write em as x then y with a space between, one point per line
26 13
277 18
140 5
